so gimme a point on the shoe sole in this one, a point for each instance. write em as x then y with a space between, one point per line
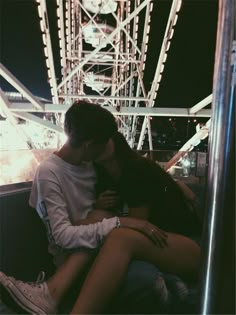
20 299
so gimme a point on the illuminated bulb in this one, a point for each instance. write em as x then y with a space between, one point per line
165 57
175 19
171 33
168 45
179 6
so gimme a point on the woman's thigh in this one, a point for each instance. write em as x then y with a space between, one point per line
181 255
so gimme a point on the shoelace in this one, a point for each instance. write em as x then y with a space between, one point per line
40 279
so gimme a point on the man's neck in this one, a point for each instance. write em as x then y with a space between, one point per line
69 154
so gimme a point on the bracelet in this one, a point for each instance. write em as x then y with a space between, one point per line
117 222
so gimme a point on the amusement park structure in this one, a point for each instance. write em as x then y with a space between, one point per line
103 50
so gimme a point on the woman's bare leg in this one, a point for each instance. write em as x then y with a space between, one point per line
182 256
67 273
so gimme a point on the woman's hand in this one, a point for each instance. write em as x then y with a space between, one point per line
156 235
106 200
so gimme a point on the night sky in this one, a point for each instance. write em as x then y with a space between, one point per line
187 77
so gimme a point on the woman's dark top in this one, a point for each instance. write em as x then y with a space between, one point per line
144 183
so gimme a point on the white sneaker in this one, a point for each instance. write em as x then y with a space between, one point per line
34 298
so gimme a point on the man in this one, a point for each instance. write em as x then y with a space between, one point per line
63 193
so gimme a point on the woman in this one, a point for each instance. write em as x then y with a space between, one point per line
150 192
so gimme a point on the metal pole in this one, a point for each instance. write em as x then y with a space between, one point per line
220 204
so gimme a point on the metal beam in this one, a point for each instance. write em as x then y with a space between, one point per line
4 105
189 145
39 121
176 4
135 111
10 78
206 101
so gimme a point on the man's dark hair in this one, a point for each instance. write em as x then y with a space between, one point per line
85 121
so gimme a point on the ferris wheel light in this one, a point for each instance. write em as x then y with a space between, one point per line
179 6
45 52
47 63
42 25
58 12
164 58
175 19
151 7
171 33
39 12
44 39
168 45
162 68
49 74
159 78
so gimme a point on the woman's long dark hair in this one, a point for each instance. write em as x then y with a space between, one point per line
171 210
144 180
125 153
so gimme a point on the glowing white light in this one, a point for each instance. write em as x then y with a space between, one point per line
186 162
175 19
44 39
162 68
45 52
165 57
168 45
39 12
171 33
41 25
179 6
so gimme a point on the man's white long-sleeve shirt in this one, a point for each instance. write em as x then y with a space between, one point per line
63 194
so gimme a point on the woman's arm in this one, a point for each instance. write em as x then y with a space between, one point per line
188 193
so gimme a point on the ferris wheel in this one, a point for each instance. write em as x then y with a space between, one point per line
103 49
103 46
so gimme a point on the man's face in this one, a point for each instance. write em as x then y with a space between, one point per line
93 149
108 153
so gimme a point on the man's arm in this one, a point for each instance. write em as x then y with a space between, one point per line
53 209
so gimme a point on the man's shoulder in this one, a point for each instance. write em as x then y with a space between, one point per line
49 165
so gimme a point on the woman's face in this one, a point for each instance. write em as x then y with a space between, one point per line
108 153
